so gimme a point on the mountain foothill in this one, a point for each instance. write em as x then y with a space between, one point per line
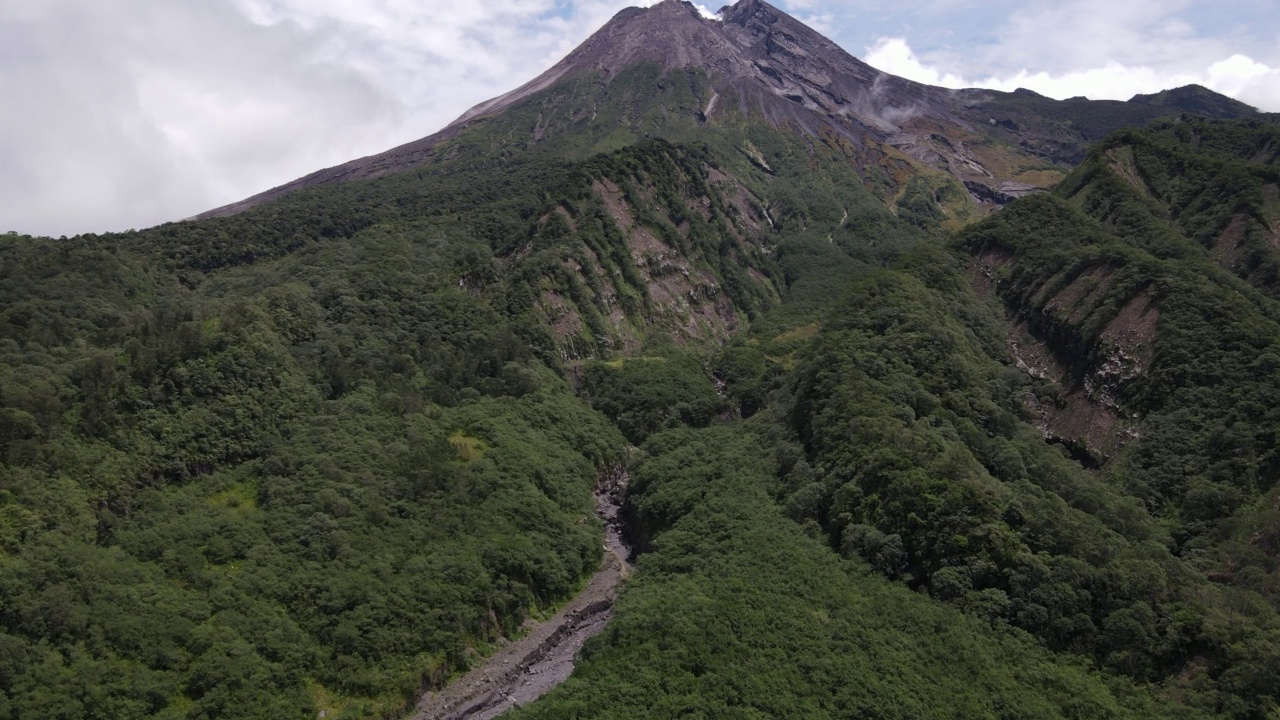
931 403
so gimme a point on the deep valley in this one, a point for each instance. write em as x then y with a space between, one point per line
716 366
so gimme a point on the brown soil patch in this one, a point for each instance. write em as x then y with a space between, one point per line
1227 247
1082 294
715 175
681 296
998 159
702 206
642 242
1123 164
1091 414
661 294
1264 156
1271 210
720 316
1081 419
1134 330
573 224
561 315
748 222
1087 414
1040 178
983 268
1087 421
1032 356
617 208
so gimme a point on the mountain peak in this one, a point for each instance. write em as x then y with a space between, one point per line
1196 99
756 61
759 61
672 33
671 6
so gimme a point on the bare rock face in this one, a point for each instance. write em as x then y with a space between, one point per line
763 62
760 57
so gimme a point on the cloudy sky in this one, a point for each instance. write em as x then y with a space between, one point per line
126 113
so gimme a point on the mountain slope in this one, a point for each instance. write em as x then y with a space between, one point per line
1154 316
757 62
319 455
1197 99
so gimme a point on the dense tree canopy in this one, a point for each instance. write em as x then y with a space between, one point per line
324 454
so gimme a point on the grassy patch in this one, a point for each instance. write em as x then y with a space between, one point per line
469 448
239 496
798 334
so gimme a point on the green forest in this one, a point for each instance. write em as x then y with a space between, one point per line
327 454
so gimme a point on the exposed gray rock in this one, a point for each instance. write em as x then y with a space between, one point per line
764 62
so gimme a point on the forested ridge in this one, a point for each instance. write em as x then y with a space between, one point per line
887 460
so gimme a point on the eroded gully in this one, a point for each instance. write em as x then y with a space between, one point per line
526 669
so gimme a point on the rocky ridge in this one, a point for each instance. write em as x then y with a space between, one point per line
762 62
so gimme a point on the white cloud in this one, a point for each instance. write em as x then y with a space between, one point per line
136 112
1236 76
1099 48
1248 80
703 10
141 111
132 112
894 56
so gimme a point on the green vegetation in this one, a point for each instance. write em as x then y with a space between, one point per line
1205 386
645 395
918 462
1197 99
310 478
1124 277
321 455
737 612
905 443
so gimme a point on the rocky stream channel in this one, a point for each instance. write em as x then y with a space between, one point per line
526 669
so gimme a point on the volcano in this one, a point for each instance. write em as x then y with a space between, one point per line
754 62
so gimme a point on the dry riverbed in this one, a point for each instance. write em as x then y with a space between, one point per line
528 668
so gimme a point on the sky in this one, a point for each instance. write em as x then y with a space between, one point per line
129 113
